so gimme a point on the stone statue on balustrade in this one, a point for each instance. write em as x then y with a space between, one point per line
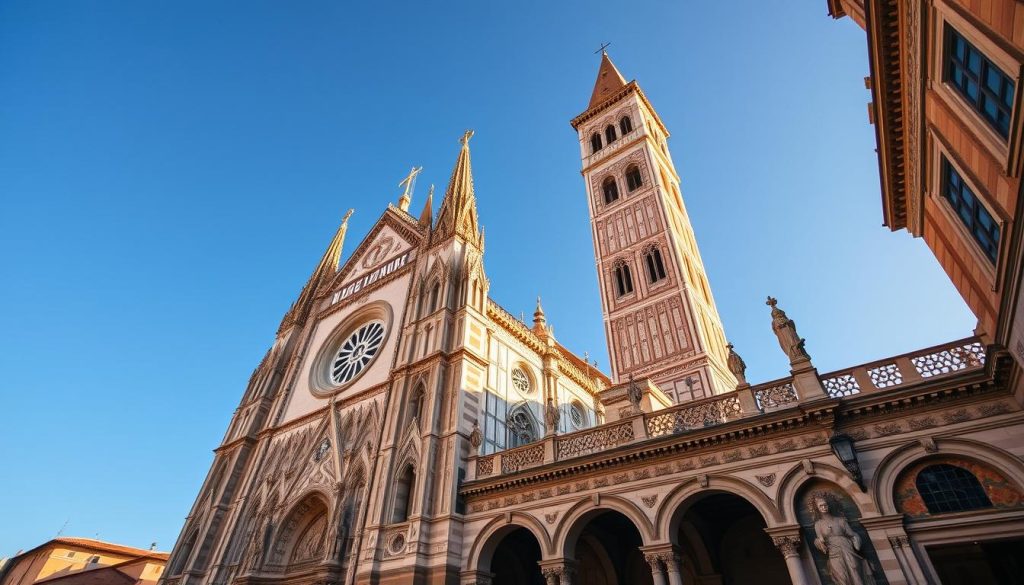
785 330
634 394
836 539
551 417
737 366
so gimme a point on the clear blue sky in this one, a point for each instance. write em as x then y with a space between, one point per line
170 173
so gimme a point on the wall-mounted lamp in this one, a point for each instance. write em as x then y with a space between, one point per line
842 447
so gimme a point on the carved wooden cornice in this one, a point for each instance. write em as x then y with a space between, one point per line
895 90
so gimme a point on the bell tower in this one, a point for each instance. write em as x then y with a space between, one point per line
660 317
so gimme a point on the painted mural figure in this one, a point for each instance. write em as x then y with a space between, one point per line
835 537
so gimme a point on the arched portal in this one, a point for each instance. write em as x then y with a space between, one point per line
721 538
302 539
606 548
515 559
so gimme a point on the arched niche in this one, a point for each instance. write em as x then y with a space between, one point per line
834 536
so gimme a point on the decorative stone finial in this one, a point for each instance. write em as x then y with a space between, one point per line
785 329
737 366
539 320
464 141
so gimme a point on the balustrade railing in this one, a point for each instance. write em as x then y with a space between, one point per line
899 371
593 439
695 415
925 364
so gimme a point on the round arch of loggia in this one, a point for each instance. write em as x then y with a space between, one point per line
679 500
487 541
575 520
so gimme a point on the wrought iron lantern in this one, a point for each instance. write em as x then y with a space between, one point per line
842 447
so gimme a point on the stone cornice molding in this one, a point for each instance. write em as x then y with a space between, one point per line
631 87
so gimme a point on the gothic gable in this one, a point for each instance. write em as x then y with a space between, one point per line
389 238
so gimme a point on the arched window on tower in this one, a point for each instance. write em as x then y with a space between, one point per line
625 125
948 488
609 134
655 265
633 179
403 495
595 142
623 279
611 190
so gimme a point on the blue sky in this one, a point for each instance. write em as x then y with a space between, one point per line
170 173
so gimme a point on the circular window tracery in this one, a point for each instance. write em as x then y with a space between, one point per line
577 414
521 380
356 352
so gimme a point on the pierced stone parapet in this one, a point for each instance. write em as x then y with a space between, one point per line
775 395
693 415
520 458
593 440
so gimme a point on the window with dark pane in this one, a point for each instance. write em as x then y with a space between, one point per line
611 190
595 142
633 179
623 279
975 217
979 81
948 488
655 266
625 125
609 134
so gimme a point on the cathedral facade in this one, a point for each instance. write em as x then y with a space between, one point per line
405 428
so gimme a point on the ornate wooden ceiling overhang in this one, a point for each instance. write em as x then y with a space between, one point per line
893 30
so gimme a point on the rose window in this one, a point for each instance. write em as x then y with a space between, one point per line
577 414
356 352
520 380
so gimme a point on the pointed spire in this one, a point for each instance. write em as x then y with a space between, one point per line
609 81
321 276
427 215
539 320
458 208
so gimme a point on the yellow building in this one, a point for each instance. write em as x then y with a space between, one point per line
72 561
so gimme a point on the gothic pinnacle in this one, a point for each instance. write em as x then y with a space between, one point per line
427 215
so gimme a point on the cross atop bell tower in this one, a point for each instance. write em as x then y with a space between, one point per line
660 317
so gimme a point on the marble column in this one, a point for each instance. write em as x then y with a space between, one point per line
789 546
657 573
904 553
673 566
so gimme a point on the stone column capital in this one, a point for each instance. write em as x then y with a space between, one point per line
899 541
788 545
